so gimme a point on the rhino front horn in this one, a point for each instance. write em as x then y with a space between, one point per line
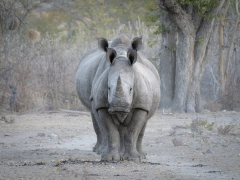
119 88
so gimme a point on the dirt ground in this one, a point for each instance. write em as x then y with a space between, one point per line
178 146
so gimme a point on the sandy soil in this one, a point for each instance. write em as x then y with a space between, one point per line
59 146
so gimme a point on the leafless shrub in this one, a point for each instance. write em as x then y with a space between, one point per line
230 98
33 35
214 107
226 129
3 118
8 120
14 24
11 18
223 130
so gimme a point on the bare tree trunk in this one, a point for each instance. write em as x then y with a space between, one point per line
167 62
193 37
230 51
221 45
202 39
184 62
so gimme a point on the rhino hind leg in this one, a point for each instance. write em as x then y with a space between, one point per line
131 137
111 136
97 130
101 144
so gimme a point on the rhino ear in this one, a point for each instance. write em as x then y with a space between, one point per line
137 43
132 56
110 55
102 44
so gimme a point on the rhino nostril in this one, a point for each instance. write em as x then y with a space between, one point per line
124 104
119 104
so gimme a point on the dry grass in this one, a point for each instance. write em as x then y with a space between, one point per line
44 71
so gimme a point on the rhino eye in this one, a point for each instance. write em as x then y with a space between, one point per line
108 88
130 89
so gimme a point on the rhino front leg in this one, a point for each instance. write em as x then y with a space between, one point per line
113 139
122 129
132 134
139 142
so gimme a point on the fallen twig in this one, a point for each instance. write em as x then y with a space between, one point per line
75 112
30 111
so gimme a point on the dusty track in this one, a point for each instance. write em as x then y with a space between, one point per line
59 146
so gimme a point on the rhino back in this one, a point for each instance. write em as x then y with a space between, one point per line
143 60
88 68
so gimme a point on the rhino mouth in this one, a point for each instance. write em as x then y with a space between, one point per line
119 110
121 113
118 107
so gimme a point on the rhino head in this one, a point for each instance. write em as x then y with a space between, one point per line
120 76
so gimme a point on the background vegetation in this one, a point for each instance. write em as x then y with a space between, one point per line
42 41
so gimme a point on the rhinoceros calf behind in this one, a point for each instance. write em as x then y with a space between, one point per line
121 88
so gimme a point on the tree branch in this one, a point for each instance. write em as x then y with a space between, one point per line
204 32
179 16
9 10
237 8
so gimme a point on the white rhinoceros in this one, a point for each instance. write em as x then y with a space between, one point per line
121 88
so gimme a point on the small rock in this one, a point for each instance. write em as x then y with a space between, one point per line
224 143
64 169
10 163
54 153
13 145
169 175
177 141
26 163
54 135
40 134
209 151
172 132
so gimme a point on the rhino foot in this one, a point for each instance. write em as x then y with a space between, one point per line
142 154
100 149
111 156
132 156
96 147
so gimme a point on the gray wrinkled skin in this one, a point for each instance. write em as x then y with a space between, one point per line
121 88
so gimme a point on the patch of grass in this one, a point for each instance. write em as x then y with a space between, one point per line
198 125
